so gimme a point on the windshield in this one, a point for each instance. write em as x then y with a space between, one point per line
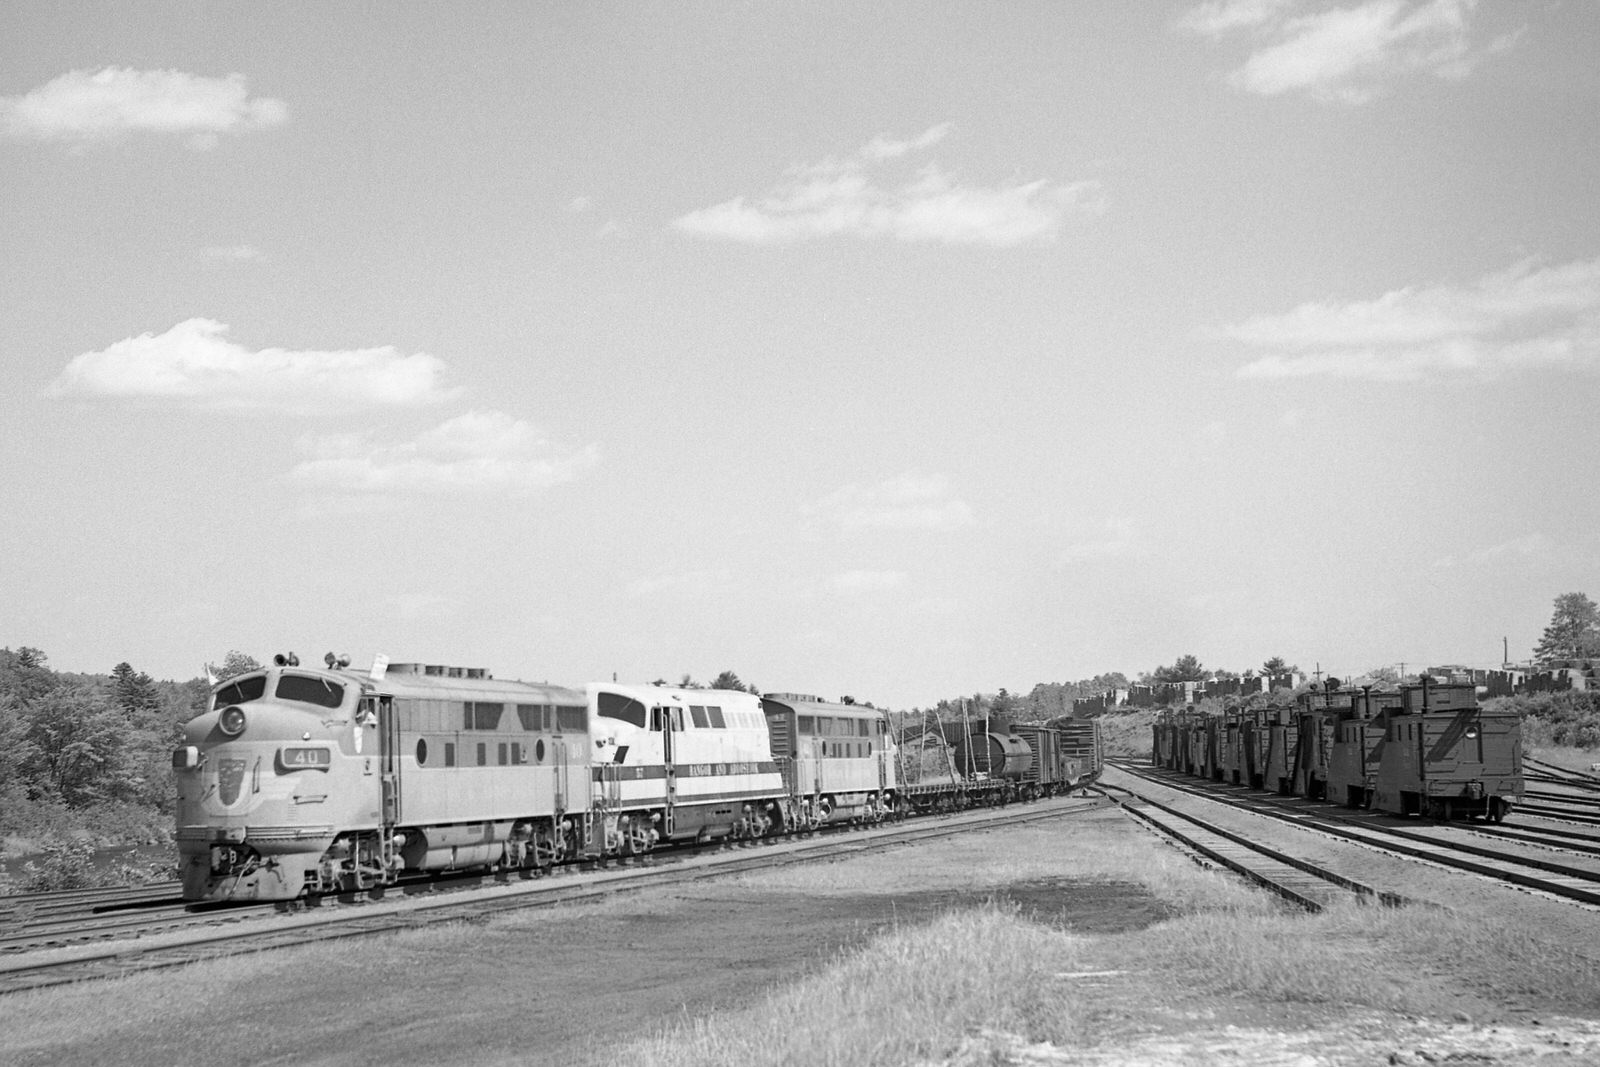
241 692
308 690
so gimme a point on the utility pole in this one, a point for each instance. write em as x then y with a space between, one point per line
1317 674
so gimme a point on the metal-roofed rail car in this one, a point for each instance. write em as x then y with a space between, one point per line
301 779
682 765
839 760
1445 756
1357 748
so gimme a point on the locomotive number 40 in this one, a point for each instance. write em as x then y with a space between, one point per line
301 758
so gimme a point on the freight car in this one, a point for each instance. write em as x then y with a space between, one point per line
1082 743
1427 749
1444 755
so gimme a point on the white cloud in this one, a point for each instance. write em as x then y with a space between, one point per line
83 106
840 197
195 363
1519 319
1347 54
859 582
881 147
1214 432
480 452
908 502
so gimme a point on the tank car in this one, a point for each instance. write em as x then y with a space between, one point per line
838 760
1444 755
301 779
992 756
682 765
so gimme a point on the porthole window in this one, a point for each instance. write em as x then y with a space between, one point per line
422 751
538 751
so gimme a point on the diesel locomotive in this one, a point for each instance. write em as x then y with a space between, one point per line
304 780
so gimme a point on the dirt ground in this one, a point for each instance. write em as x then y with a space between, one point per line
563 986
558 989
575 984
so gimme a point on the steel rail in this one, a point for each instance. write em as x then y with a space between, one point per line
1558 879
1301 882
309 927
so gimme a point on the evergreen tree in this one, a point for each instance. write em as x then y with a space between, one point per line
1573 633
133 691
233 664
727 680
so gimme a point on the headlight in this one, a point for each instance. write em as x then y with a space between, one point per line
231 721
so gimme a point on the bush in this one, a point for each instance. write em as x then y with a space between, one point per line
1566 720
67 865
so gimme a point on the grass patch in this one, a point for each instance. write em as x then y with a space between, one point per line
1415 960
906 997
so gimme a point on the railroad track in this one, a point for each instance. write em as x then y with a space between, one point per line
1308 885
1559 879
367 918
1550 772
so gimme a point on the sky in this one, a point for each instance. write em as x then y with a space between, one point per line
899 350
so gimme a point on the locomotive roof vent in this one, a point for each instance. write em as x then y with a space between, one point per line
439 670
801 697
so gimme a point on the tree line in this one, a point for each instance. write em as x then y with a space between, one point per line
81 752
